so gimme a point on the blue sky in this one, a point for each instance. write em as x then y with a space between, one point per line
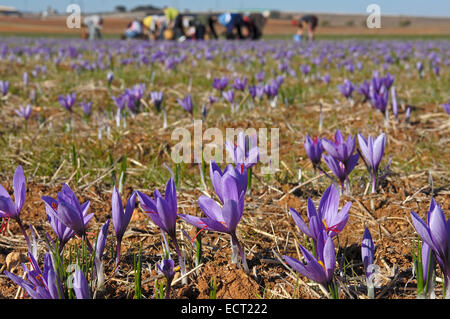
439 8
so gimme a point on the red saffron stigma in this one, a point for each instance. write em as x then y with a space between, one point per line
242 168
4 225
192 240
54 205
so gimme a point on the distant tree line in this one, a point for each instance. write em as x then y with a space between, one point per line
122 8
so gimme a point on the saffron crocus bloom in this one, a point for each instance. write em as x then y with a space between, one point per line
341 170
220 83
340 148
364 89
63 232
186 103
435 234
163 213
223 219
39 284
67 101
367 255
373 151
379 99
314 150
81 285
320 269
87 108
240 84
99 249
121 218
24 112
157 99
69 211
326 219
10 209
245 153
166 267
218 179
229 96
346 89
4 87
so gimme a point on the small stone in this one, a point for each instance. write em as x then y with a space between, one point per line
14 259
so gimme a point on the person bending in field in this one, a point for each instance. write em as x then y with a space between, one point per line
94 25
232 21
134 30
254 23
307 22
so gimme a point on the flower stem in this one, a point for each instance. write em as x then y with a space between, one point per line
241 252
25 235
180 260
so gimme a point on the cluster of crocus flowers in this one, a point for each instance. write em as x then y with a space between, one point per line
68 211
324 224
373 151
435 234
39 284
230 187
341 160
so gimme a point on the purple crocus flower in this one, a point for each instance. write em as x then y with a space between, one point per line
346 89
39 284
24 112
10 209
218 179
373 151
314 150
220 83
157 99
4 86
81 285
121 101
87 108
99 250
229 96
121 218
435 233
245 153
394 102
341 170
319 269
69 211
326 220
67 101
326 78
367 255
163 213
166 267
388 80
226 218
305 68
25 78
340 148
379 99
240 84
186 103
62 232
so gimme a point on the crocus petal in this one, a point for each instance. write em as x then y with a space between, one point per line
300 223
19 188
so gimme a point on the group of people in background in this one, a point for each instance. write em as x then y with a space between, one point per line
172 25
